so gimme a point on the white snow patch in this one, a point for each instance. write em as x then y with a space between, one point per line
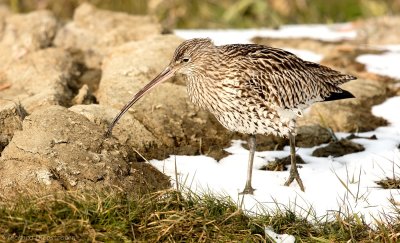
383 64
335 32
44 176
284 238
386 110
391 47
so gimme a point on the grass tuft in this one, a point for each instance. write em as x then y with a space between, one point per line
389 183
171 216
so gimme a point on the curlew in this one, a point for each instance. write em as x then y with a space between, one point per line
251 89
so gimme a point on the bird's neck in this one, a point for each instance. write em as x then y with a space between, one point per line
200 90
204 82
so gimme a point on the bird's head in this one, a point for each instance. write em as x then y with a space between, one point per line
189 58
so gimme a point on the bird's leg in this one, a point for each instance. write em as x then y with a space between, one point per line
248 189
294 174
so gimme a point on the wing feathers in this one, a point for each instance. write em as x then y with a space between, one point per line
283 79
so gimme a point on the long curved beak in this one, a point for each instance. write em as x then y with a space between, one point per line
164 75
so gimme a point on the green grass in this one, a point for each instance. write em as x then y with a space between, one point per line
167 216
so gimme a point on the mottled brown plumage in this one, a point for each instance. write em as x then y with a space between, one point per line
251 88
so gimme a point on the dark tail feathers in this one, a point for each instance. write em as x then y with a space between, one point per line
339 96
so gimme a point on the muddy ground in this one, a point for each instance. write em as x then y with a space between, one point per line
62 83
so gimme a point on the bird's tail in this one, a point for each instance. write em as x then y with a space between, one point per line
339 95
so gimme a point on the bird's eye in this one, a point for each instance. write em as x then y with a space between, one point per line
185 59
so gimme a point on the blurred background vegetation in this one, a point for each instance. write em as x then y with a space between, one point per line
226 13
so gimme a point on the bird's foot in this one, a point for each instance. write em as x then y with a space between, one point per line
247 190
294 174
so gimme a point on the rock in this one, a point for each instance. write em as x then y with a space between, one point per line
11 117
61 150
166 111
26 33
265 142
353 136
338 148
4 141
4 13
132 65
280 164
313 135
93 31
349 115
379 30
146 178
141 139
343 58
91 78
41 78
84 96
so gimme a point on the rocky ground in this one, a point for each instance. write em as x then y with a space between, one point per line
62 83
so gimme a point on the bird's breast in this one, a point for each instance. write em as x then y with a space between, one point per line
212 94
237 111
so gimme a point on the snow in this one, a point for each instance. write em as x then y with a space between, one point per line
284 238
330 33
346 184
384 64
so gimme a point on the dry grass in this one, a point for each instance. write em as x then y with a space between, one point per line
167 216
163 216
389 183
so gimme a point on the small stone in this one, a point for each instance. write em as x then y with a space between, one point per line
84 96
280 164
44 176
312 135
352 136
338 148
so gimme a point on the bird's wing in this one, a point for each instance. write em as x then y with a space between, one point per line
282 79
